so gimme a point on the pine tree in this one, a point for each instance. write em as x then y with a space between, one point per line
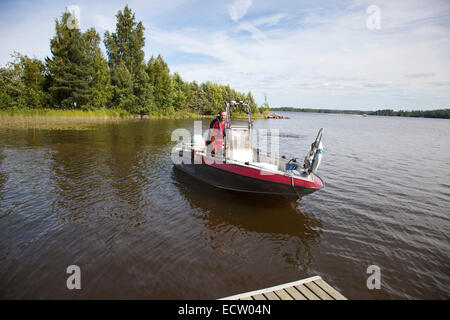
181 94
143 90
70 67
132 89
100 89
197 98
163 84
127 43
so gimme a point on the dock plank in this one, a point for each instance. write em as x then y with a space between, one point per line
313 288
307 293
283 295
295 293
330 290
271 296
318 291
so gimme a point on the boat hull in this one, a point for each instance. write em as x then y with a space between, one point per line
250 180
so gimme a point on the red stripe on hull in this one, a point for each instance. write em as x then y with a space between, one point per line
265 175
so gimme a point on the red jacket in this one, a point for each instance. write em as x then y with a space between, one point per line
218 131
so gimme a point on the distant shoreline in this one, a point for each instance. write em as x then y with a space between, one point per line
439 113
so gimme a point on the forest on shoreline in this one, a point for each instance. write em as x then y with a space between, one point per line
439 113
78 77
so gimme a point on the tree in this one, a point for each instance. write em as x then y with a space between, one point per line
70 67
22 82
143 90
100 89
181 95
163 84
33 72
132 89
197 98
127 43
251 101
77 75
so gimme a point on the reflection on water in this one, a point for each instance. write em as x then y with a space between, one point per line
3 179
105 196
278 221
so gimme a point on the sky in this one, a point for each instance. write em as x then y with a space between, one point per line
355 54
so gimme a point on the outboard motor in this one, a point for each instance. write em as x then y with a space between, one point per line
317 158
312 161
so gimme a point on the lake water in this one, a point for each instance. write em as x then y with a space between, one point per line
105 196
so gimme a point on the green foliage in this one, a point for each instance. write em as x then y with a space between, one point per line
143 90
70 68
22 83
251 101
440 113
290 109
127 43
214 97
77 76
197 98
100 89
181 93
132 89
163 84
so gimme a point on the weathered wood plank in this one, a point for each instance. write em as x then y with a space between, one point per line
313 288
295 294
307 293
330 290
271 296
318 291
283 295
279 287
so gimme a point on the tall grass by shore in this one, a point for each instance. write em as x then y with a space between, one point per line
109 113
104 114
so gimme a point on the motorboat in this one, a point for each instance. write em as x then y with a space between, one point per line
241 167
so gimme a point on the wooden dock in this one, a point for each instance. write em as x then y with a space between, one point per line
313 288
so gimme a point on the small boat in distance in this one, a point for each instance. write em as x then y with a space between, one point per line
240 167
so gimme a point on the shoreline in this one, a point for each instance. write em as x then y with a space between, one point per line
102 114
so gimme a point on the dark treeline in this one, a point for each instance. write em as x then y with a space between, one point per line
315 110
79 76
440 113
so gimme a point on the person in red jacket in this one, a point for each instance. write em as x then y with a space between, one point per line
217 132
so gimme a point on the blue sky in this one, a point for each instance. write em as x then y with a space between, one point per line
310 54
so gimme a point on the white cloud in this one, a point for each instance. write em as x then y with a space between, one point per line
270 20
252 26
329 54
238 9
256 33
298 54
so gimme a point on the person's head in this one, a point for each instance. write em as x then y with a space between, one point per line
222 115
